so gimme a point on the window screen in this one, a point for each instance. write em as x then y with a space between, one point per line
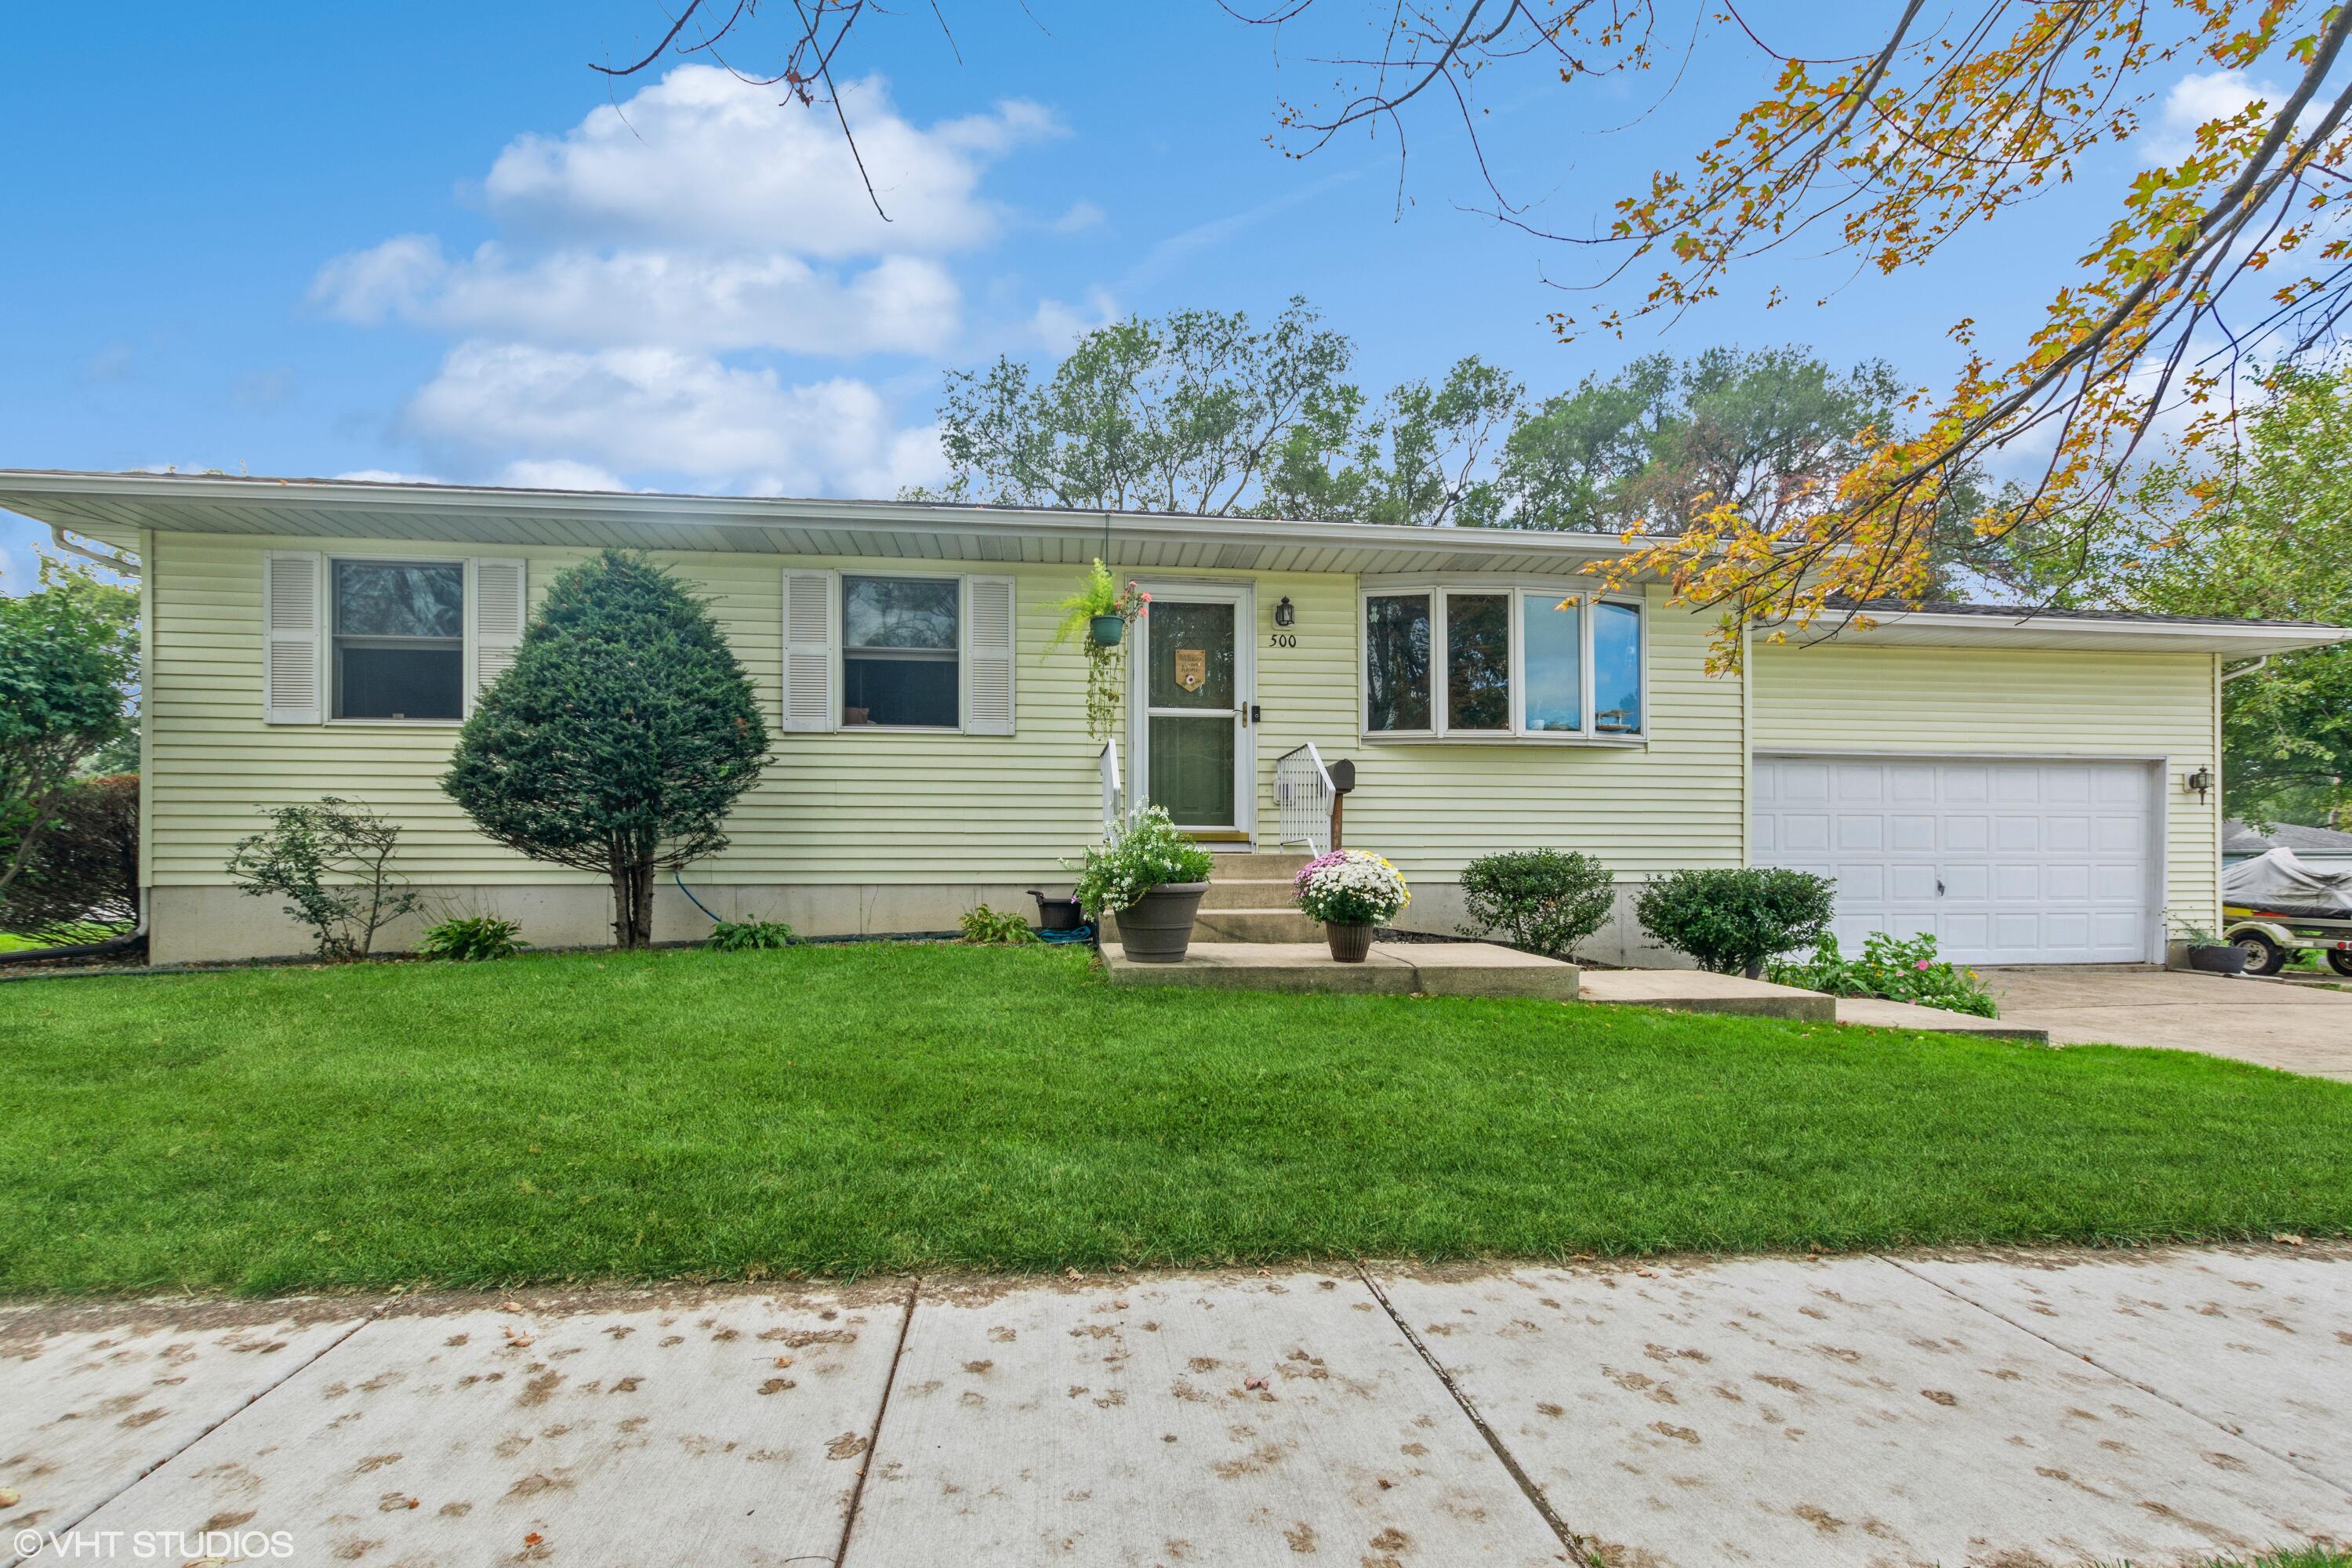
900 652
399 639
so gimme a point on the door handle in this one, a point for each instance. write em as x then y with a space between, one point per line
1939 886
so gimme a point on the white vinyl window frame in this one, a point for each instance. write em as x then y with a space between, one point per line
1514 587
985 697
300 644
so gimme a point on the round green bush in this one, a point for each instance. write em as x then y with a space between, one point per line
1733 920
1544 901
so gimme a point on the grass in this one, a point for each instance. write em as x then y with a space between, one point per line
890 1107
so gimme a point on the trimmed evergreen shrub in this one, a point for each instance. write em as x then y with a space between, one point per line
620 738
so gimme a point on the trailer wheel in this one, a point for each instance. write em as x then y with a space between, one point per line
2264 956
2339 962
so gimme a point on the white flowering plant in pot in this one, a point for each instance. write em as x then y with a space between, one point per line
1351 888
1148 852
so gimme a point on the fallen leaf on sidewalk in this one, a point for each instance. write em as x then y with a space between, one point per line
2285 1239
1254 1382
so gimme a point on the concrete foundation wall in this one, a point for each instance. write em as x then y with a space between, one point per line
189 925
1436 908
196 925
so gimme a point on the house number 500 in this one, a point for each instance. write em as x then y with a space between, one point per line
1283 640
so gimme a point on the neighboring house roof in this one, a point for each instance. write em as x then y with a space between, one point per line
2238 839
114 508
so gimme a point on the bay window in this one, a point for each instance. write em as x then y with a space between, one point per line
1502 658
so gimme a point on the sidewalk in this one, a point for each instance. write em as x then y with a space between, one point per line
1996 1408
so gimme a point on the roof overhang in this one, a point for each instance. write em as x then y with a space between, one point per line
2057 630
116 507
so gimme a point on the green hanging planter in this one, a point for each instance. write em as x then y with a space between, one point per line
1108 631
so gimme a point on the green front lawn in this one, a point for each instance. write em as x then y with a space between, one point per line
836 1108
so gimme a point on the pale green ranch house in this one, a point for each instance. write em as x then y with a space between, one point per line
2030 788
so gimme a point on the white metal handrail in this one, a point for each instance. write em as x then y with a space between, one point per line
1111 793
1303 797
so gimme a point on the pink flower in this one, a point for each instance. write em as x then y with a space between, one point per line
1921 965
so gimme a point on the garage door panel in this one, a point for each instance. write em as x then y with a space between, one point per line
1911 884
1860 830
2120 835
1911 831
1967 882
2013 832
2003 862
1802 832
1966 784
2017 882
2066 882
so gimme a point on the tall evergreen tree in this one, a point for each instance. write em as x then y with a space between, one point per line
619 740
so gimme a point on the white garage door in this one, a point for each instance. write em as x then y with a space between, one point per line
2004 862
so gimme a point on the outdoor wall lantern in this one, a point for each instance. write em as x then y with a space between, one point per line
1283 614
2200 781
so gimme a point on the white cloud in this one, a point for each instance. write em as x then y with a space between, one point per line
1080 215
559 474
682 299
659 411
387 477
1059 326
701 154
2201 97
697 219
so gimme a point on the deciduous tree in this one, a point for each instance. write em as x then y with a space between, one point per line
68 653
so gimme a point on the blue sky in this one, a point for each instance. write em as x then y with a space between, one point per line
426 240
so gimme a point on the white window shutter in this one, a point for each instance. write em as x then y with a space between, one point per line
811 654
988 656
498 597
293 660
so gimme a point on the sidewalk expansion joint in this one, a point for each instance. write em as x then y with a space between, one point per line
874 1436
68 1526
2150 1389
1526 1483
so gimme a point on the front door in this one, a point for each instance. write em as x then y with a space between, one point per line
1193 722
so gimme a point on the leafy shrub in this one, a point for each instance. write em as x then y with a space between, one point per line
1890 968
1351 886
748 936
1732 921
1146 853
473 939
79 882
332 864
989 927
1544 901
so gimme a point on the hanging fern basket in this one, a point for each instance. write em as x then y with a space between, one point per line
1108 631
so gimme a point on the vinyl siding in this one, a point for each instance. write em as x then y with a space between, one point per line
1954 702
857 806
876 806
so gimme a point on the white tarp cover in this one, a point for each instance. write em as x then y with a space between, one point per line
2279 881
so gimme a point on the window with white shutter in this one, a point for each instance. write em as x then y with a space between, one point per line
293 679
496 602
988 654
811 650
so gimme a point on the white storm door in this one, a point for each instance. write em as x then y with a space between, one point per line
1192 680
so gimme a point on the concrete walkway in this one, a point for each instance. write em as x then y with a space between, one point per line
1993 1409
2299 1027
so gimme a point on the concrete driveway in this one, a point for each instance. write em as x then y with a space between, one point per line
2300 1026
1978 1408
